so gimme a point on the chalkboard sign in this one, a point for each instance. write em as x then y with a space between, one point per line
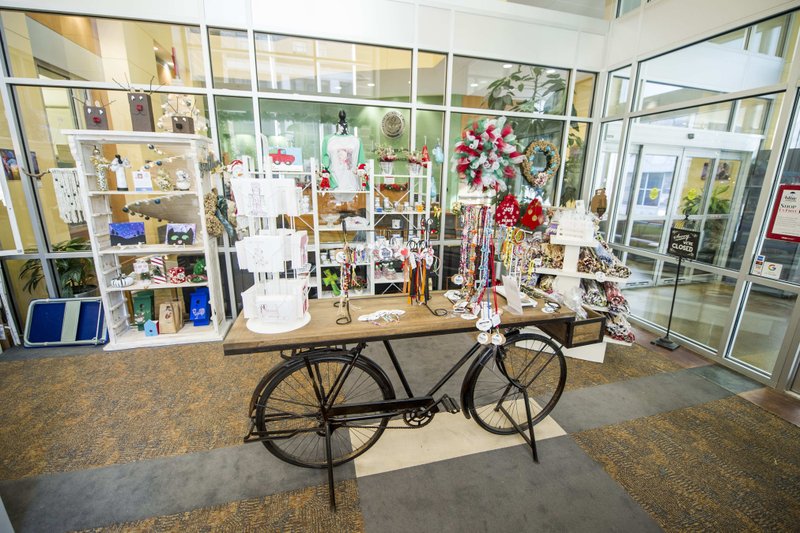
683 243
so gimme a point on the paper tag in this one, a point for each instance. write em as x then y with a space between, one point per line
457 279
600 277
498 339
469 316
483 338
388 180
772 270
484 324
495 319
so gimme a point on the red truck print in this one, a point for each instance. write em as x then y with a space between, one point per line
282 157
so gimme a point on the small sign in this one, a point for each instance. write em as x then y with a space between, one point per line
784 224
758 266
142 181
683 243
772 270
512 295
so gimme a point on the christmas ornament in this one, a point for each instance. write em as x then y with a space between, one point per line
325 179
534 214
426 158
507 213
487 153
553 160
363 176
181 106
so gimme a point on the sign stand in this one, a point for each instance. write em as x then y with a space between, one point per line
683 243
665 341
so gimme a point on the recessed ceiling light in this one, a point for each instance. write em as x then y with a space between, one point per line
370 84
508 65
155 48
473 84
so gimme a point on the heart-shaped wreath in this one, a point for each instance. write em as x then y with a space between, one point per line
553 160
486 153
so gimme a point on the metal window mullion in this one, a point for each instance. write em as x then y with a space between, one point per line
448 113
618 177
565 137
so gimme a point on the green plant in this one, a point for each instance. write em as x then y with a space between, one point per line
693 201
544 93
75 274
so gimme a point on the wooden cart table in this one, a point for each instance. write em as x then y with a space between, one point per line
418 321
327 403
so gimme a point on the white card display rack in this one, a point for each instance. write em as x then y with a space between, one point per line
196 151
274 251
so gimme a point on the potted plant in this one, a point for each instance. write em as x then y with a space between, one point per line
76 274
414 162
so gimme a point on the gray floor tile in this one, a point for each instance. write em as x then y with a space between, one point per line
101 496
613 403
502 490
727 379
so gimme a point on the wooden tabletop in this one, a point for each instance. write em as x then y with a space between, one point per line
417 321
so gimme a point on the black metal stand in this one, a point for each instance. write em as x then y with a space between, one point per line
665 341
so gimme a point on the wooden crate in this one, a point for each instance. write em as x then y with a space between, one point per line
578 332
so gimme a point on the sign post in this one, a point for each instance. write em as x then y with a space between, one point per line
684 244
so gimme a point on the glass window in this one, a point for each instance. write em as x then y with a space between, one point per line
702 302
575 162
720 65
230 59
100 49
762 326
487 84
713 178
431 77
315 66
583 95
25 281
784 253
430 132
527 131
235 127
626 6
16 196
46 111
617 91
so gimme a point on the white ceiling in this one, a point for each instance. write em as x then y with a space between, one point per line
587 8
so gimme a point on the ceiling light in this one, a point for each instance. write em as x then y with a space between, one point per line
473 84
155 48
508 65
370 84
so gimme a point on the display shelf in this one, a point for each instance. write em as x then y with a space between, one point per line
152 249
144 285
349 230
101 208
142 193
188 334
590 243
389 281
581 275
413 176
336 265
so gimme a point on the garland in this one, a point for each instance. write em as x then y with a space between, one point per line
550 152
487 153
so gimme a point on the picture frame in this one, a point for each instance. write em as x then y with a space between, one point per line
126 233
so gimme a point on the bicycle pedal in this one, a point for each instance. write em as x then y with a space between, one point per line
449 404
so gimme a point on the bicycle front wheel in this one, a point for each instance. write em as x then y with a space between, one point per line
494 395
289 407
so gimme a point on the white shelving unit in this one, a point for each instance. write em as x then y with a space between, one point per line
109 264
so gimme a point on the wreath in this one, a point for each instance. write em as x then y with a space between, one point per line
550 152
487 153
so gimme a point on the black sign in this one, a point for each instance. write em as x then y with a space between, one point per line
683 243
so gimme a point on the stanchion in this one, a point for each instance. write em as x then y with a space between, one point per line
665 341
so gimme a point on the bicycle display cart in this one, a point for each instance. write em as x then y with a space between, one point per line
326 404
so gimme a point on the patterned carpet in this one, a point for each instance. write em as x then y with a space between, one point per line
725 465
72 413
299 510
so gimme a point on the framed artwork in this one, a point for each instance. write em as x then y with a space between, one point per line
287 158
180 234
126 233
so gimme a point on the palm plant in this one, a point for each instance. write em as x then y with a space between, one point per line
75 274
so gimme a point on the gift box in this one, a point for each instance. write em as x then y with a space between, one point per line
157 270
200 307
176 275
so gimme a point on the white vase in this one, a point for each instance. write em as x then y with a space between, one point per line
387 167
414 169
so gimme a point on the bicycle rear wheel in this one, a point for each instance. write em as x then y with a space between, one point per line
532 361
289 406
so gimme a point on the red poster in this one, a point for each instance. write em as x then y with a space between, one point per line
784 223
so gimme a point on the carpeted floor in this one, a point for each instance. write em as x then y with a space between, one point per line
725 465
71 413
156 435
303 510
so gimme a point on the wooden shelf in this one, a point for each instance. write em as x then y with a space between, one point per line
142 193
151 249
143 285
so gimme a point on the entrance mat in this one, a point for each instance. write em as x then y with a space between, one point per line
298 510
63 414
726 465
